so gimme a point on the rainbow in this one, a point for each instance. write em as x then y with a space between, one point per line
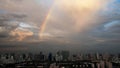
44 23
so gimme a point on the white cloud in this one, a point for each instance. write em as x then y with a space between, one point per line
113 26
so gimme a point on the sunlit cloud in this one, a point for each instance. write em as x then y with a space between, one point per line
83 12
21 34
72 15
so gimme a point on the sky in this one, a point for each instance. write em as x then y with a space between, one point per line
52 25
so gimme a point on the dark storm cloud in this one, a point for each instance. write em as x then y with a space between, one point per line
8 16
8 23
3 35
12 16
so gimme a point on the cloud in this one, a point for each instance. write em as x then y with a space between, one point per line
21 34
70 17
83 12
16 30
113 27
80 23
6 27
66 18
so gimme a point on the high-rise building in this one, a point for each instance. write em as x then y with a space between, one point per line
108 64
65 55
102 64
97 56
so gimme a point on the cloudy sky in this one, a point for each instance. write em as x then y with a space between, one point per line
50 25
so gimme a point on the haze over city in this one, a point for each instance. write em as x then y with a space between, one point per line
52 25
